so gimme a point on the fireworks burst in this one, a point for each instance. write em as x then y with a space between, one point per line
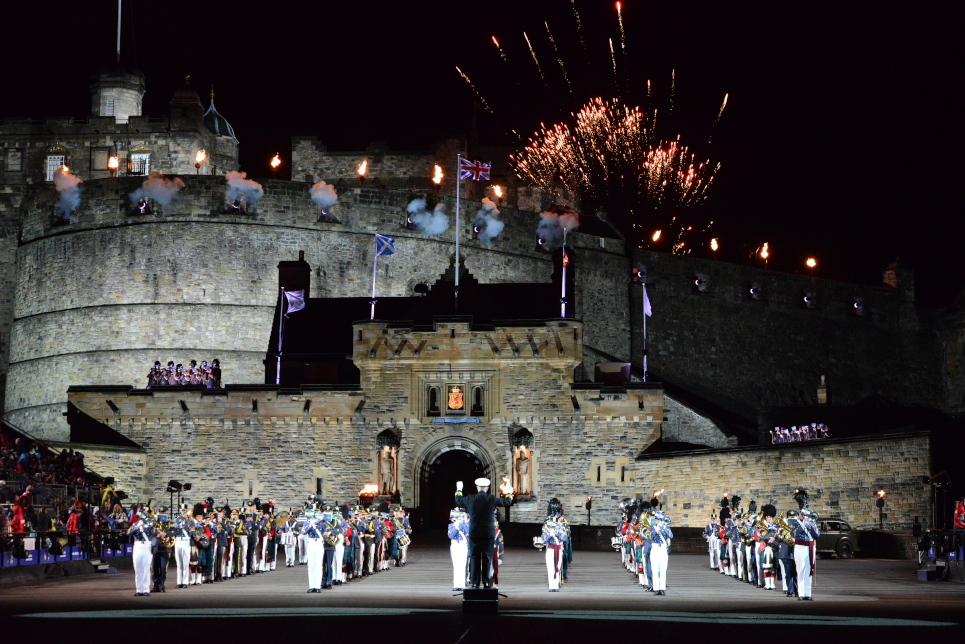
535 59
613 57
579 25
610 158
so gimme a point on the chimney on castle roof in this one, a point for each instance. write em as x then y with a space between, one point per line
295 276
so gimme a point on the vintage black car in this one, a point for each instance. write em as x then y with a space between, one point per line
837 537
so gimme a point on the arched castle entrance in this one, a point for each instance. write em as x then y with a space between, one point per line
443 460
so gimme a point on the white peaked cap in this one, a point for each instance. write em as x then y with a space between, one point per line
482 482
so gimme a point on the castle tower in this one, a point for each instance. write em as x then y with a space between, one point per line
118 92
186 109
225 155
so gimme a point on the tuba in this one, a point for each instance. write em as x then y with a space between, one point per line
783 529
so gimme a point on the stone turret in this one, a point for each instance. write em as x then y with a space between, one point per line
118 93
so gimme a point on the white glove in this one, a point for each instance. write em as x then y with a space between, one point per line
459 486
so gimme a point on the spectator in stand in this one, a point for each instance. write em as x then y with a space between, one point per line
119 517
16 521
25 500
960 514
6 543
72 522
6 494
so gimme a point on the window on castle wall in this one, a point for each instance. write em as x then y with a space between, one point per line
13 160
478 409
140 163
432 406
54 161
109 107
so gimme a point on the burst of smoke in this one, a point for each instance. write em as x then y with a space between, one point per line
551 227
239 186
487 224
324 195
427 222
68 187
159 188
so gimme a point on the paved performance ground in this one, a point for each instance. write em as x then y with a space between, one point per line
601 598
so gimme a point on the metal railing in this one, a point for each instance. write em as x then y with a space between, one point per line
32 548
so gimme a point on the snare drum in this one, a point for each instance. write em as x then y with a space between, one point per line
404 540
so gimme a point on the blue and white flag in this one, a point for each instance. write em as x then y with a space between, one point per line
384 245
646 303
296 301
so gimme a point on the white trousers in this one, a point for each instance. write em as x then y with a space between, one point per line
338 574
263 558
553 575
459 551
802 560
302 548
290 554
405 552
658 566
714 549
244 554
182 555
315 554
226 562
142 566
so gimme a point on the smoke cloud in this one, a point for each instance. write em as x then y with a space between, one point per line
487 224
239 186
159 188
428 223
68 187
551 227
324 195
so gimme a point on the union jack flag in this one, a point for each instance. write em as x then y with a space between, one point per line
476 170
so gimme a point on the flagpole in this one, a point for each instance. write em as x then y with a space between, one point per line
458 181
281 334
644 311
563 296
375 265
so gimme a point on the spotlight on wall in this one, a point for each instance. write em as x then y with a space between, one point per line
184 406
187 487
174 485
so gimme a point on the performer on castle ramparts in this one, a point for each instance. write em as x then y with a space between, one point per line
482 533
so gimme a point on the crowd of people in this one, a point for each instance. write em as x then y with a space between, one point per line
179 375
795 434
37 463
212 544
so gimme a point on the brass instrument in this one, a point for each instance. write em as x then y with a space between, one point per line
281 518
783 529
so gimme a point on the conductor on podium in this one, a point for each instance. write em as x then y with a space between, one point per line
481 508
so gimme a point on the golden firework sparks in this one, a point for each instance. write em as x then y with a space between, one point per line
558 58
613 57
475 91
579 25
713 244
811 263
656 235
623 36
535 59
501 53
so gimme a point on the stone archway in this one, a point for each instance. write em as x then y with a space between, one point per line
440 447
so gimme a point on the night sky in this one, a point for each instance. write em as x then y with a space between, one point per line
841 139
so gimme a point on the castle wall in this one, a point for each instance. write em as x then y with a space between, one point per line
841 478
683 425
229 450
746 355
99 300
10 197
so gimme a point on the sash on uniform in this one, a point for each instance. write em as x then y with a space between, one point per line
556 548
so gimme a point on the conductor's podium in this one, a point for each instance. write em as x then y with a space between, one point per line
482 601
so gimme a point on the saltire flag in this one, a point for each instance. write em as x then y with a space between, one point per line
384 245
646 303
475 170
296 301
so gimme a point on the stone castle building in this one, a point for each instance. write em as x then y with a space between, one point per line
92 304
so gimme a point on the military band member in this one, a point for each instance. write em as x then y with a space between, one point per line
182 530
288 541
804 530
481 509
155 375
314 551
371 536
142 532
459 547
164 548
553 538
331 534
768 547
711 532
785 557
250 529
659 536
